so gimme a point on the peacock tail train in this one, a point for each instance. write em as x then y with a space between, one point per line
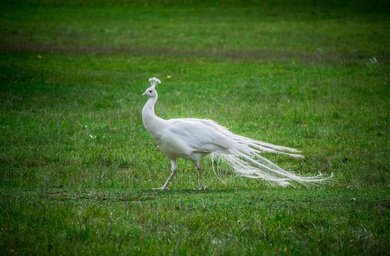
245 159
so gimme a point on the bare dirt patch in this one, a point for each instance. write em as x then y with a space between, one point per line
260 54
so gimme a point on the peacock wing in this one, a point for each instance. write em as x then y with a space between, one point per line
199 135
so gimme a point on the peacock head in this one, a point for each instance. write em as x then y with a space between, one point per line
151 91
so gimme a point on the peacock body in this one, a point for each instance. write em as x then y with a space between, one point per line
193 139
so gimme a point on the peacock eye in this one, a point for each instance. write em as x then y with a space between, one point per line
150 91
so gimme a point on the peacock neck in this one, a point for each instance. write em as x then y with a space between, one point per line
148 110
152 123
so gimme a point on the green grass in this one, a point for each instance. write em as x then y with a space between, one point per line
77 165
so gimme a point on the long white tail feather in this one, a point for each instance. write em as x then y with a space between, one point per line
261 168
245 160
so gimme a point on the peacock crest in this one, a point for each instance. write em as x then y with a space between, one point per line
154 81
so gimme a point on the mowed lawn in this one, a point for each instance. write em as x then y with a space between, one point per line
77 167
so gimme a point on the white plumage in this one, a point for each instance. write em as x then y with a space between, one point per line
194 139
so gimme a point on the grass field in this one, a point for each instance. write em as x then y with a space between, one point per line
77 166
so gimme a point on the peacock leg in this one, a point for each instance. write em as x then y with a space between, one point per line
174 170
202 185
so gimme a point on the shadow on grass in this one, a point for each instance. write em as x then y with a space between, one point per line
63 194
